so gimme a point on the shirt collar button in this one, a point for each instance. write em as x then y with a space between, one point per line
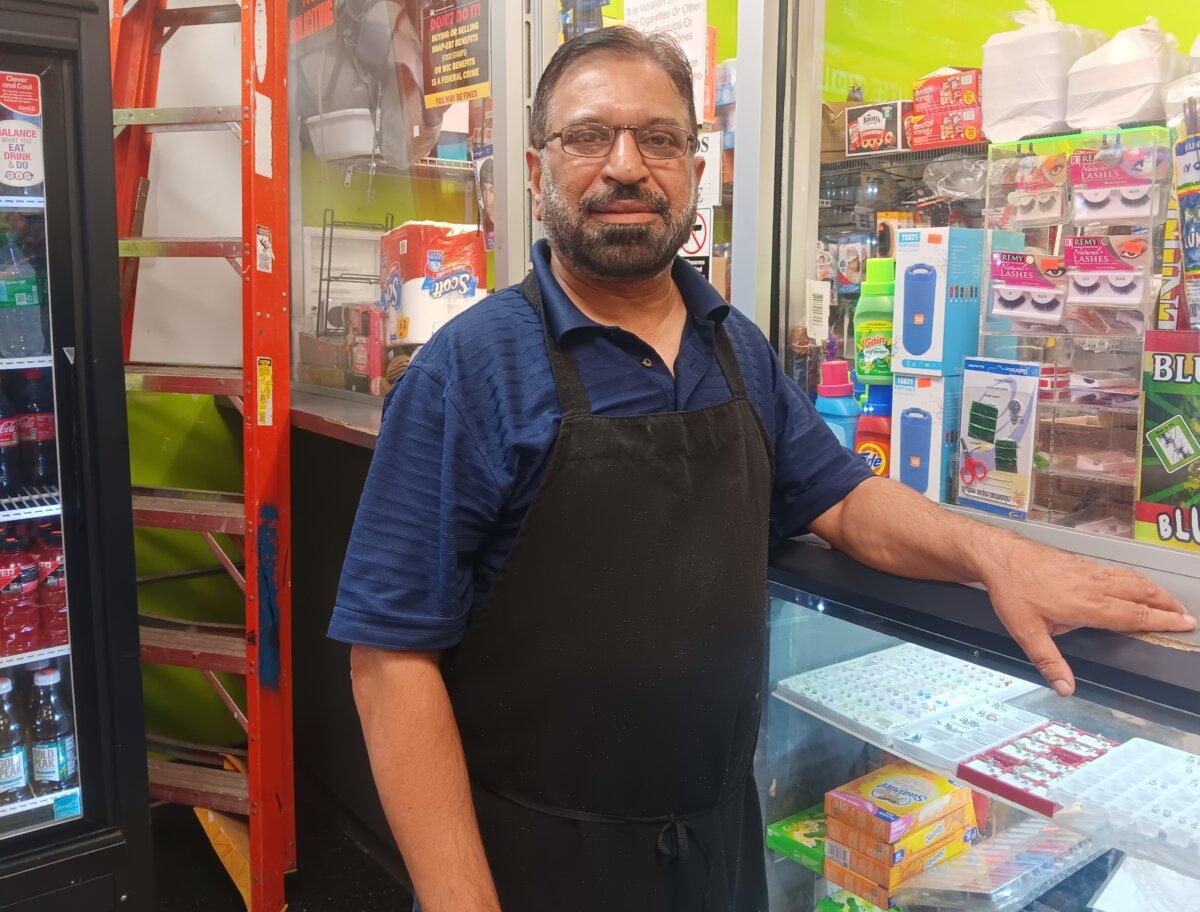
646 362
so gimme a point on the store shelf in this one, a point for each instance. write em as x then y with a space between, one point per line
39 812
900 159
425 168
31 503
1128 481
8 364
39 655
22 203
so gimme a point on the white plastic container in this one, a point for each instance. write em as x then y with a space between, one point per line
1025 73
1122 81
348 133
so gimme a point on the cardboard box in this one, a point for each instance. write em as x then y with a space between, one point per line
875 128
916 842
859 885
939 284
321 351
891 876
801 837
949 89
925 433
1167 512
894 800
945 129
844 901
833 131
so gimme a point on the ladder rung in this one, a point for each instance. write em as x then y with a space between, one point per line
198 15
178 119
199 786
179 247
195 511
171 378
188 645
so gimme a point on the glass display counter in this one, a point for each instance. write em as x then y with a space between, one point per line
911 759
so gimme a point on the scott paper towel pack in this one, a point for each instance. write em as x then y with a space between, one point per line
430 272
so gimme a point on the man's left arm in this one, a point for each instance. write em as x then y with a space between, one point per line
1037 591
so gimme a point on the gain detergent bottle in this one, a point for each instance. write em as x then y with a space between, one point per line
873 323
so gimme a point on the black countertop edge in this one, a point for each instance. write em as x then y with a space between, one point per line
963 615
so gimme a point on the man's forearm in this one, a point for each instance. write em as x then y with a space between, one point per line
417 758
890 527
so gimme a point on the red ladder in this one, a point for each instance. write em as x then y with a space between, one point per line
261 650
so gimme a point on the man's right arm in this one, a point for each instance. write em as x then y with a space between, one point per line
417 758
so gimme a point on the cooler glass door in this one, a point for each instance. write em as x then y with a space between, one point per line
40 770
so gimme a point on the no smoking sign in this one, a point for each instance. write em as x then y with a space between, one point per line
699 242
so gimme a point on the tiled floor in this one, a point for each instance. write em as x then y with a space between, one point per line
335 873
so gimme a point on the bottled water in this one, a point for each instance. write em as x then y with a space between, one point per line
21 300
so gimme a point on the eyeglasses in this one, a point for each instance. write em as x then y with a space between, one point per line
596 140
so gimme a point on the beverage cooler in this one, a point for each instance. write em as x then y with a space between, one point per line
74 816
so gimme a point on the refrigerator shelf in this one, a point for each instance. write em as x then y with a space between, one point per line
31 503
38 655
7 364
38 812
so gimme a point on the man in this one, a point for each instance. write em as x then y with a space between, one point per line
555 585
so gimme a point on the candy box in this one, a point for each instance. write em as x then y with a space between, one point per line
916 842
943 129
800 837
894 800
875 128
844 901
1167 511
859 885
890 876
947 89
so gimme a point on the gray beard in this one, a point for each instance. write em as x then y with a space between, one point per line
626 252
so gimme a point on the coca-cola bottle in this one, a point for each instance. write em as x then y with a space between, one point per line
14 756
52 591
11 476
36 430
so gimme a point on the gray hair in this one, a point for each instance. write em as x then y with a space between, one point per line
619 39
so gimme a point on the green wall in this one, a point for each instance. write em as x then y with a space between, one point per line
885 45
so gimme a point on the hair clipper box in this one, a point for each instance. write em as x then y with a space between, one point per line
939 287
925 432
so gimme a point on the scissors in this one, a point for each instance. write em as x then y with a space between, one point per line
972 470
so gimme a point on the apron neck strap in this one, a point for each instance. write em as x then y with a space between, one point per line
572 397
729 364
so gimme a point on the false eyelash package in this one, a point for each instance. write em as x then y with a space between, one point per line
1029 287
1112 271
1040 197
1114 185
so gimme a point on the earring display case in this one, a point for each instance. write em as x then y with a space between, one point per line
905 764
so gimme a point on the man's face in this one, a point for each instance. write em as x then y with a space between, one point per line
623 216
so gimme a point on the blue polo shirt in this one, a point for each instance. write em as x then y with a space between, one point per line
467 431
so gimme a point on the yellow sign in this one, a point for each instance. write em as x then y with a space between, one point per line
265 391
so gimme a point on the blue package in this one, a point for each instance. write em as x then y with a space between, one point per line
925 433
938 297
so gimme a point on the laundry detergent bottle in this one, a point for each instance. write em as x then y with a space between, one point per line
873 436
873 323
836 403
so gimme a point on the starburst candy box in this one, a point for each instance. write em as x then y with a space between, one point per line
895 800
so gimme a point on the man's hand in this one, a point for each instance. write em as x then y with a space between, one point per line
1037 591
1040 592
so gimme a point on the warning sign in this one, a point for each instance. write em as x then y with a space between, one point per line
699 243
456 52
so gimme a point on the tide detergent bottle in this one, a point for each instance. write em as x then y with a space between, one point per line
874 323
836 403
873 435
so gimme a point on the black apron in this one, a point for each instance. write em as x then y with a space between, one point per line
608 689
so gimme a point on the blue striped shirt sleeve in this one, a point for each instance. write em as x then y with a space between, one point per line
429 501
